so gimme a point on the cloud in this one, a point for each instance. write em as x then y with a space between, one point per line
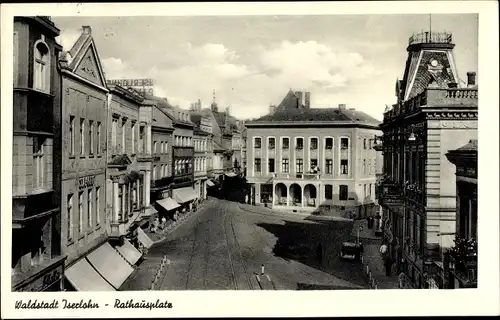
68 37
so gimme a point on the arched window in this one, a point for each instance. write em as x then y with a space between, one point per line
41 67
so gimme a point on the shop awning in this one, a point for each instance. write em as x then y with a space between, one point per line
144 238
184 195
110 265
168 204
231 174
83 277
129 252
210 183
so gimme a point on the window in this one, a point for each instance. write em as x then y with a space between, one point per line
364 166
258 142
166 147
343 192
314 144
328 191
114 126
91 137
98 137
329 143
141 139
364 144
154 172
80 212
299 165
285 166
97 205
344 143
155 145
132 141
82 136
286 143
271 143
257 165
70 217
329 166
271 165
41 78
71 135
38 162
124 133
89 202
299 144
120 202
343 166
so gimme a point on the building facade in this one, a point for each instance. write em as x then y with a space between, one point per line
460 263
200 141
433 114
161 184
37 258
301 168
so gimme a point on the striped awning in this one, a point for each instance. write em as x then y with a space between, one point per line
168 204
183 195
83 277
110 265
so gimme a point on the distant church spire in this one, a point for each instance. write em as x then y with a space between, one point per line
214 106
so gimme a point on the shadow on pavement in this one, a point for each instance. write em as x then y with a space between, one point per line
316 245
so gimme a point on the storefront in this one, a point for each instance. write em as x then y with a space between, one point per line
185 197
48 278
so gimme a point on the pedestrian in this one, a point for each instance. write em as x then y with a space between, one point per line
163 222
155 224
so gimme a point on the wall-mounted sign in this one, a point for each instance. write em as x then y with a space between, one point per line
45 281
142 86
85 182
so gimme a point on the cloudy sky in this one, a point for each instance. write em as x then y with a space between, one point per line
252 61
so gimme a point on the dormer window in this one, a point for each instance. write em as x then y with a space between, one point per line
41 69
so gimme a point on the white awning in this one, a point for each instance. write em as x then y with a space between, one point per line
210 183
130 253
83 277
183 195
110 265
168 204
144 239
231 174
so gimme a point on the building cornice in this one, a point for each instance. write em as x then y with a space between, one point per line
315 124
67 72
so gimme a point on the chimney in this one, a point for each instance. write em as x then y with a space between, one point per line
342 106
272 109
300 98
307 100
86 30
471 79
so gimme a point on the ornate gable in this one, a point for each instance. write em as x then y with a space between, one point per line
89 68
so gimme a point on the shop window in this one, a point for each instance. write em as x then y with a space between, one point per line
343 192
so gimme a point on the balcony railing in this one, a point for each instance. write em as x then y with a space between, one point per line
435 97
431 37
297 176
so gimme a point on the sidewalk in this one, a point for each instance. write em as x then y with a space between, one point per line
372 258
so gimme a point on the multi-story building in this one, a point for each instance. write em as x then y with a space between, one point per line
200 140
182 158
129 162
292 165
433 114
37 258
162 181
244 151
460 263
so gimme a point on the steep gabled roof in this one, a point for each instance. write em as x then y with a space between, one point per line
83 59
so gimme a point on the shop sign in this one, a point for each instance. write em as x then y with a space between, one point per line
143 86
85 182
44 282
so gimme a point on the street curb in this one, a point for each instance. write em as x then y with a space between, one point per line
171 227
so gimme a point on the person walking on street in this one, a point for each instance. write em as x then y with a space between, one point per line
384 251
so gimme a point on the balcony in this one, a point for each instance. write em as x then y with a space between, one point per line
430 37
297 176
